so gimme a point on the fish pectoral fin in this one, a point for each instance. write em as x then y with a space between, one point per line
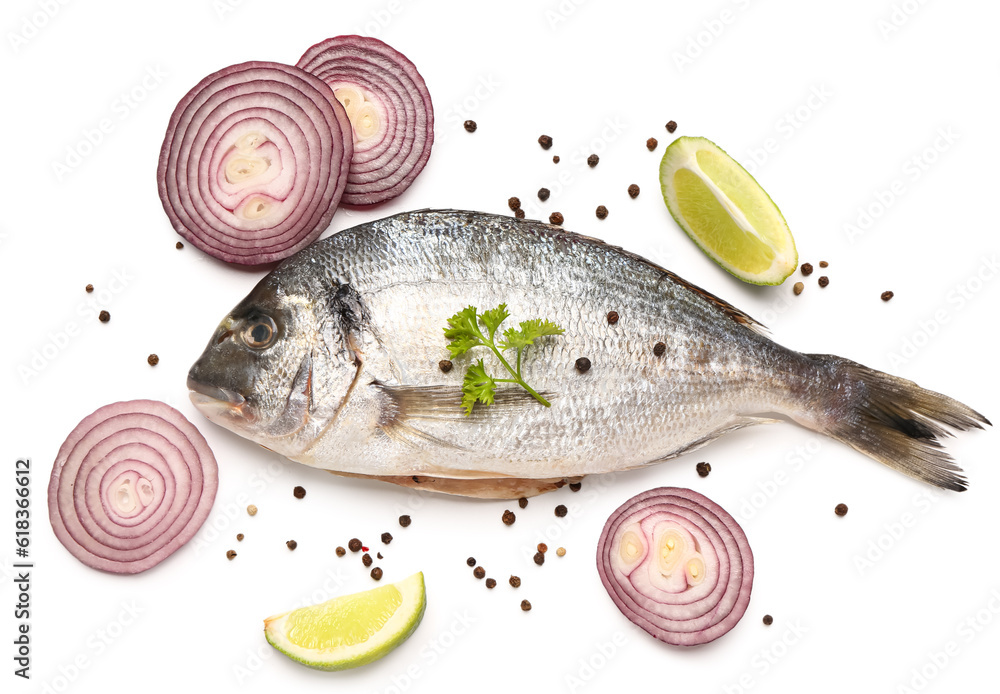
739 422
445 402
404 433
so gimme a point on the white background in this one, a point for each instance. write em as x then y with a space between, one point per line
848 93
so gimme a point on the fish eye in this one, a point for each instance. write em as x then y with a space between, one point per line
259 332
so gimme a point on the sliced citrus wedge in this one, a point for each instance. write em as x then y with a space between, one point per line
351 630
726 212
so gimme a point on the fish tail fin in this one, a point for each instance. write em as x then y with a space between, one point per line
894 421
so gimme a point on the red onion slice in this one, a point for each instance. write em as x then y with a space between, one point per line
254 162
132 483
676 564
389 107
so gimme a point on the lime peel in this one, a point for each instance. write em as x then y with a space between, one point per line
350 630
726 212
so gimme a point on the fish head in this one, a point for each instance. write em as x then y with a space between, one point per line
276 368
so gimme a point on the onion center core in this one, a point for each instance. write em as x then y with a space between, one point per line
362 113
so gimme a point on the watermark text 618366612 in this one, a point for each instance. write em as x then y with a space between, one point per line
23 567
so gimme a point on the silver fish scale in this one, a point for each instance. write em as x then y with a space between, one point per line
414 271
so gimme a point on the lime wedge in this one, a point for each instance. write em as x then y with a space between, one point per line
726 212
351 630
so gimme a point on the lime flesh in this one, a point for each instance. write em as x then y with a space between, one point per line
351 630
726 212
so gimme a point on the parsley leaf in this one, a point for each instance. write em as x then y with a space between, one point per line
464 333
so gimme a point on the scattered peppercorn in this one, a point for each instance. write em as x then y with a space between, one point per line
556 218
583 365
525 605
291 544
561 552
445 365
633 191
651 144
887 295
479 572
560 511
491 583
658 349
386 538
378 555
575 486
341 551
471 126
104 316
543 194
601 212
239 537
471 561
230 555
152 360
299 492
671 126
252 510
592 160
797 288
824 280
807 269
508 517
179 245
377 574
555 159
840 509
404 521
545 141
515 582
539 558
768 619
354 545
514 202
366 559
823 263
89 288
519 213
703 469
522 502
612 317
542 547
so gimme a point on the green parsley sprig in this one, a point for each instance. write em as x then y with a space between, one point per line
465 330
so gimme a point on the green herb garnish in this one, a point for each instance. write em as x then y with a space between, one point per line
465 332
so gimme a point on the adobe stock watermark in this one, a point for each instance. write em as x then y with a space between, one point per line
97 643
899 14
912 170
32 24
895 530
226 514
58 340
937 660
960 295
576 163
254 658
431 653
705 37
764 660
786 126
753 503
588 667
560 13
460 111
119 110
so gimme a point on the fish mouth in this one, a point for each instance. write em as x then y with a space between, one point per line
219 405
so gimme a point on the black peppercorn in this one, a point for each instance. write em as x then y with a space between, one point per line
612 317
651 144
354 545
658 349
515 582
522 502
671 126
556 218
583 365
592 160
299 492
601 212
508 517
377 574
633 191
366 559
560 511
703 469
470 125
445 365
479 572
471 561
291 544
543 194
841 509
386 538
545 141
404 521
514 203
539 558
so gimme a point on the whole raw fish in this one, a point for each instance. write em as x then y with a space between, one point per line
333 360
